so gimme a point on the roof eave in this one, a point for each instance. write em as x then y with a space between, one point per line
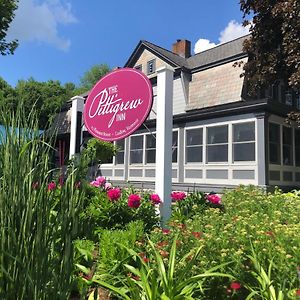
138 48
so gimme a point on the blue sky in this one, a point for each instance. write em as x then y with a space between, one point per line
62 39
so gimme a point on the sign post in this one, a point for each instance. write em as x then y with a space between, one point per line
164 125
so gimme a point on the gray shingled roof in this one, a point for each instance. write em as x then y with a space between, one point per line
219 53
175 58
61 123
214 55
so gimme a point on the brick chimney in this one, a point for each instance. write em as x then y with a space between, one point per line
182 48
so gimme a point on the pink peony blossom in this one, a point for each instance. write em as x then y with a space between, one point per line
235 285
107 186
214 199
134 201
178 196
114 194
51 186
155 199
98 182
101 180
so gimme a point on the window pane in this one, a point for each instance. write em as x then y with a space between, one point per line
297 154
218 153
120 158
174 155
287 155
194 154
244 152
136 156
136 142
194 136
217 135
120 144
287 150
174 146
287 135
274 153
175 138
150 156
244 132
136 149
274 133
297 138
150 141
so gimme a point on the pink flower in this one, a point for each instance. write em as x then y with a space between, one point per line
178 196
214 199
77 185
298 292
107 186
155 199
95 183
235 285
35 185
114 194
166 231
134 201
99 181
51 186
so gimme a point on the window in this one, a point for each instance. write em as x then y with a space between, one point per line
217 144
274 143
297 147
174 146
287 146
120 154
136 149
150 148
151 66
194 145
297 100
244 142
139 67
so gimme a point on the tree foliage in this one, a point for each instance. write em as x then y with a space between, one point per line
274 45
90 77
7 9
47 97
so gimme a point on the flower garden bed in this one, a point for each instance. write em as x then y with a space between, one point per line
243 245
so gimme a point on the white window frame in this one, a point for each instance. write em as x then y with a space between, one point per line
244 142
143 150
229 161
185 145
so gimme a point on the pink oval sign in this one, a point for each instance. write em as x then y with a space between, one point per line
118 104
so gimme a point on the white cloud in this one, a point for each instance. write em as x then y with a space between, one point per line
232 31
202 45
40 21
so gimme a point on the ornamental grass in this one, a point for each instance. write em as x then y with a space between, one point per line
38 218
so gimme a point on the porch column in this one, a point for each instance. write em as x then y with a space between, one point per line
262 146
164 125
76 122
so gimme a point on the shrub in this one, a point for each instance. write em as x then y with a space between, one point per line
113 208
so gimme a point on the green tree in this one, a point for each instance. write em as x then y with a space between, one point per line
274 46
7 10
7 96
90 77
47 97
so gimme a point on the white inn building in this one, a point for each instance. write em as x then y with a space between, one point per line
221 138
